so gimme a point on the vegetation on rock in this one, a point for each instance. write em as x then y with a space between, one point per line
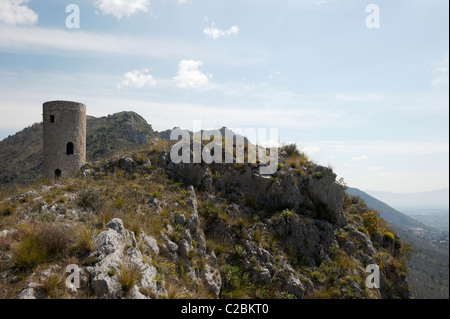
139 227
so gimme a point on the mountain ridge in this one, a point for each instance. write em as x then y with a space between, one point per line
195 230
21 153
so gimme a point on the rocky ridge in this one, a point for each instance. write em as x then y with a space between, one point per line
202 231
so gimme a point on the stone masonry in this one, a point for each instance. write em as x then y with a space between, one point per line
64 138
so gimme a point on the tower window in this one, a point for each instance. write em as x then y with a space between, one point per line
52 118
69 148
57 173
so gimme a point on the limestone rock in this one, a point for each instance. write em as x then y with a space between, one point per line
117 225
327 195
211 276
150 243
115 247
180 219
294 286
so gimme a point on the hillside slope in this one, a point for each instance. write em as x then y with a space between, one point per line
428 265
388 213
140 226
21 153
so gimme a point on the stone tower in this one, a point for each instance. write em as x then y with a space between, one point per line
64 138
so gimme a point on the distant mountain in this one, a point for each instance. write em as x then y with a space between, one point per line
21 153
423 199
388 213
118 132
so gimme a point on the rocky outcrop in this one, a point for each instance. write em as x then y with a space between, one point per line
308 238
232 231
116 249
318 195
192 245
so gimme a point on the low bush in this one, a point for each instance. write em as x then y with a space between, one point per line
291 150
7 209
29 252
129 275
90 199
389 236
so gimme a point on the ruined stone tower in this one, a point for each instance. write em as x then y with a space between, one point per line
64 138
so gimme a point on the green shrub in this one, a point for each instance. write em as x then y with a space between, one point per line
371 221
90 199
389 236
286 214
317 276
286 295
318 175
363 230
234 281
7 209
291 150
209 209
111 272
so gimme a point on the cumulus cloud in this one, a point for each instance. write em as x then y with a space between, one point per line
121 8
214 33
137 78
189 76
13 12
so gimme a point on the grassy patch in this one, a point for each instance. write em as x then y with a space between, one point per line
129 275
29 252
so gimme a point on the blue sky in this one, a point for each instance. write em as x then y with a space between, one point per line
370 102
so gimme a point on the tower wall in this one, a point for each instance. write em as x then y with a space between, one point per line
64 123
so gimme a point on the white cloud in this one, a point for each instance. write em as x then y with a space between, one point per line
212 32
137 78
359 158
189 76
121 8
61 42
13 12
440 73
